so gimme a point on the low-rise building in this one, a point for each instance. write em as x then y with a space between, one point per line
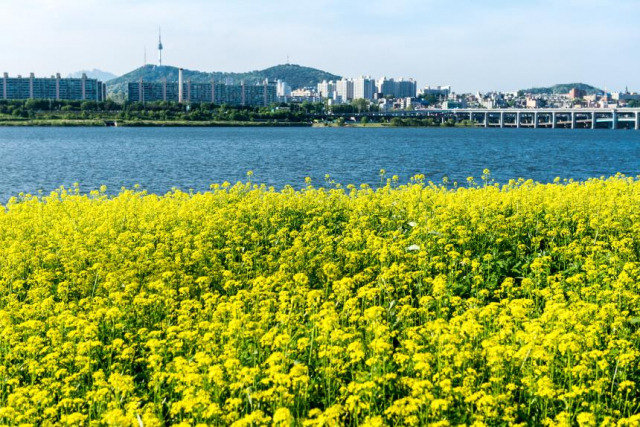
437 91
625 96
532 103
451 104
305 94
576 93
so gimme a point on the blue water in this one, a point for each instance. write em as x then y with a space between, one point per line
33 159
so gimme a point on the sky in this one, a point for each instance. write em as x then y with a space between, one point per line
472 45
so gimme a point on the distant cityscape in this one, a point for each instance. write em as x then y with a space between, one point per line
381 94
384 94
402 94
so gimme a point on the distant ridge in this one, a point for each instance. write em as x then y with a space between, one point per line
296 76
103 76
563 88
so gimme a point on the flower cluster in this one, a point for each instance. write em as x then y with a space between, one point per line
405 305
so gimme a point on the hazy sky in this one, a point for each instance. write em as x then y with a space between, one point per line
469 44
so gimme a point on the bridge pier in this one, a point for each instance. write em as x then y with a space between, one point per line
614 120
553 120
535 120
573 120
518 118
637 121
501 119
486 119
593 120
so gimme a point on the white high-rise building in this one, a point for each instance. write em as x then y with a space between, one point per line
344 90
363 87
326 89
283 89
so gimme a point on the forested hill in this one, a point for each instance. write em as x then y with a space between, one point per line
563 88
296 76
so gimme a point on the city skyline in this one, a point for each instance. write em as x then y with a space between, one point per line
495 45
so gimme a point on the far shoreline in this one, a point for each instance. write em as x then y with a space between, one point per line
146 123
184 123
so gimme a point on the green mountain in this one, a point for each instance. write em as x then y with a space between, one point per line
563 88
295 75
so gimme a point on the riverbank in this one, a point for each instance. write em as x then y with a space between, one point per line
150 123
389 125
352 125
206 123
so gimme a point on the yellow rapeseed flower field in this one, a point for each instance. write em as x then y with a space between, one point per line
406 305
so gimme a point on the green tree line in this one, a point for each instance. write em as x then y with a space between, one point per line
169 111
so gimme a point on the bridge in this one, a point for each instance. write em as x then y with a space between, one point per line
570 118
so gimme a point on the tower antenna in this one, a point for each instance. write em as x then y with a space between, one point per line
159 46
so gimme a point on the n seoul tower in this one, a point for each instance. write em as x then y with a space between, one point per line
159 47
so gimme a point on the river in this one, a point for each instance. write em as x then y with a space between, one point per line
36 159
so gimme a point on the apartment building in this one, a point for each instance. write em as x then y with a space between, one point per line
363 87
215 92
54 87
